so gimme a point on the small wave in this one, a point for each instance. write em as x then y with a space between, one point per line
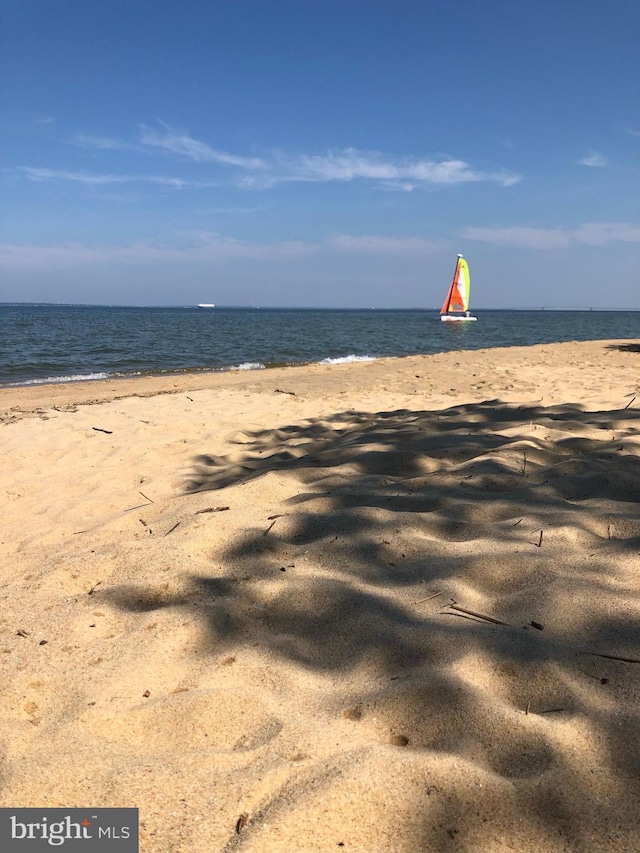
249 365
347 359
51 380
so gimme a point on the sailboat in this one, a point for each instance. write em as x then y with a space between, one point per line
456 305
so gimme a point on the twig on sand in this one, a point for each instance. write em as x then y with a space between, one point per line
145 497
172 529
211 509
518 522
538 544
429 597
477 615
264 532
612 657
138 506
94 588
524 463
551 711
108 431
291 393
629 403
526 713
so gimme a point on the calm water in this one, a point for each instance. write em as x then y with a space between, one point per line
54 343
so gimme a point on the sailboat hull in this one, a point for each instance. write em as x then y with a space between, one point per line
452 318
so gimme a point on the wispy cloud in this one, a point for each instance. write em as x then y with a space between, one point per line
342 166
91 179
376 245
99 143
352 164
345 165
184 145
593 158
590 233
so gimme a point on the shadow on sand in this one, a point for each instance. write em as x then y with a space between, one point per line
526 514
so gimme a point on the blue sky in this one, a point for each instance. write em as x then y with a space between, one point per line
323 153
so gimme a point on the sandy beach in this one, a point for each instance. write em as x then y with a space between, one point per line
382 607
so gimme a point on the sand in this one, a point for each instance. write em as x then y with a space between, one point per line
230 601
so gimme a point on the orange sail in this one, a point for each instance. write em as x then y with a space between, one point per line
456 304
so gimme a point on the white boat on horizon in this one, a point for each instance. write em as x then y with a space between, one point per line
456 305
206 305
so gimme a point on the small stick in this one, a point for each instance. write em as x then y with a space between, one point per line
435 595
172 529
538 544
524 463
551 711
518 522
145 497
477 615
211 509
526 713
628 404
268 528
94 587
108 431
278 391
613 657
143 522
139 506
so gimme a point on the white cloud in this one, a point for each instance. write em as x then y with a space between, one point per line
351 164
593 158
194 247
599 233
344 165
371 244
589 233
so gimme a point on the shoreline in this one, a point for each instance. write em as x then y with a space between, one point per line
29 398
227 601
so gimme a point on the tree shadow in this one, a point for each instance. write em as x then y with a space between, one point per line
397 515
625 347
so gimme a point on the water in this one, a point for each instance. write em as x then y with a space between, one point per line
55 343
